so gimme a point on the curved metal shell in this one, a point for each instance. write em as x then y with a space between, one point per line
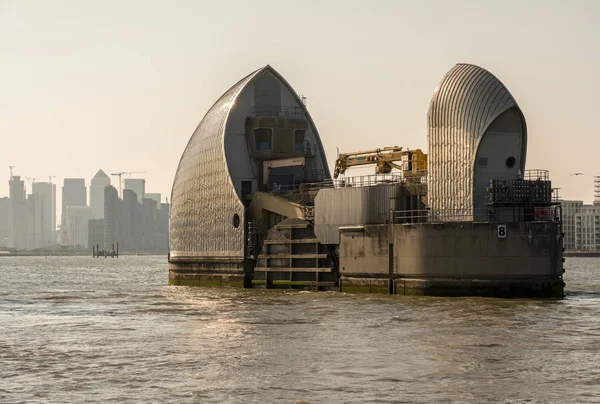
464 105
204 198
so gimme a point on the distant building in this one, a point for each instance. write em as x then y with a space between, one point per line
155 197
34 229
112 208
77 224
148 224
587 228
137 185
4 221
19 220
162 228
73 194
45 211
130 232
569 210
100 181
96 233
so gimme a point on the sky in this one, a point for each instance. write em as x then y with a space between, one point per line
121 85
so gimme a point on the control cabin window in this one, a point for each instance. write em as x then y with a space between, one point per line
263 138
299 140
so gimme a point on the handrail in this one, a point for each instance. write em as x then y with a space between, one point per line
492 214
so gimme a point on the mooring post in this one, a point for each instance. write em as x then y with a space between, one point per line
117 249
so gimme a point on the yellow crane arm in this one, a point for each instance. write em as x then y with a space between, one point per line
414 162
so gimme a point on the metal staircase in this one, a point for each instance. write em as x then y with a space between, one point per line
293 258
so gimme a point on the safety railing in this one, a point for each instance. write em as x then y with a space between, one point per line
345 182
503 214
536 175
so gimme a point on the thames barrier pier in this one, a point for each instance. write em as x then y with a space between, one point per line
254 204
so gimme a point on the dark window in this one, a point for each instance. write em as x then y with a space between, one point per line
510 162
483 161
246 187
236 220
299 140
262 136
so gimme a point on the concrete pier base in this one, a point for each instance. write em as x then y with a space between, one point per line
208 274
531 288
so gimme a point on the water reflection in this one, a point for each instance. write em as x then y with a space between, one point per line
113 330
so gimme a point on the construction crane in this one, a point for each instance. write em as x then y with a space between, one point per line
125 173
412 163
32 180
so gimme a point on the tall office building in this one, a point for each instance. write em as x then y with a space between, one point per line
112 208
155 197
100 181
34 228
45 211
4 221
19 220
77 224
96 233
137 185
130 235
73 194
162 228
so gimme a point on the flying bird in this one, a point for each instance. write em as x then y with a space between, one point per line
576 174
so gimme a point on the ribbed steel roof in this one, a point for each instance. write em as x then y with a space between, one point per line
464 104
203 198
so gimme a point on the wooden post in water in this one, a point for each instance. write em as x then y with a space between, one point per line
117 249
112 252
93 251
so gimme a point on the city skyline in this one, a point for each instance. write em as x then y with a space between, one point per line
126 93
29 187
28 221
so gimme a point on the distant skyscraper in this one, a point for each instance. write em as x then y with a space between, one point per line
4 221
96 233
137 185
19 220
154 197
112 207
129 222
97 185
45 211
73 194
34 228
77 224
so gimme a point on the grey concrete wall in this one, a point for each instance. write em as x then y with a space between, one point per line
337 207
473 250
454 250
365 252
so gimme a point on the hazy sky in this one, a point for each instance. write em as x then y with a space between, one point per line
121 85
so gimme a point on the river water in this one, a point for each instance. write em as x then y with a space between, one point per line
77 329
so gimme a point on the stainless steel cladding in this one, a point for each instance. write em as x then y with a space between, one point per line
354 206
217 169
476 132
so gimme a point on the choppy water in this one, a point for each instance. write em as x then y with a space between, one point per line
75 329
